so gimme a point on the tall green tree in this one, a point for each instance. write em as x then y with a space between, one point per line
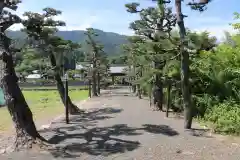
155 26
41 29
103 70
31 61
98 59
137 60
26 132
185 72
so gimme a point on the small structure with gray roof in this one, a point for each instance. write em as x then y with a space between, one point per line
113 70
117 71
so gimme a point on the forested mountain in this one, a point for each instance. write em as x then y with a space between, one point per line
111 41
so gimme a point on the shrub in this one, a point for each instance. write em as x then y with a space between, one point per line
225 117
202 103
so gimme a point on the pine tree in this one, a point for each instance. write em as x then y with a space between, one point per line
40 29
155 27
201 6
188 109
26 132
98 59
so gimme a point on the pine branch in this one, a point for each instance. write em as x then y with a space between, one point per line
10 4
200 6
133 7
201 2
8 21
162 1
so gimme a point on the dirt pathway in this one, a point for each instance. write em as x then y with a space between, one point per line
122 127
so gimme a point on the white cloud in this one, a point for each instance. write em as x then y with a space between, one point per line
216 26
108 20
71 23
217 31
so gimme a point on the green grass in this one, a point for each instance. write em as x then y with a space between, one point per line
53 88
43 104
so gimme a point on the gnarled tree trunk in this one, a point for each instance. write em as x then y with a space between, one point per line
61 89
26 132
184 68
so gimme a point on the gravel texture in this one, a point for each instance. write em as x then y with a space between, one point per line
119 126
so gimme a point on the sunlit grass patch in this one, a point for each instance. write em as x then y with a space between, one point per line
43 104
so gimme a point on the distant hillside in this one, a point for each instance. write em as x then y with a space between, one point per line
111 41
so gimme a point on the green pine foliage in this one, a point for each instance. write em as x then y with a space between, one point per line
98 58
214 68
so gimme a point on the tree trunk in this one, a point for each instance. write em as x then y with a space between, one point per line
160 104
186 90
139 94
89 89
168 97
139 91
61 89
113 80
158 91
94 85
94 77
184 69
157 97
134 88
26 132
98 83
150 94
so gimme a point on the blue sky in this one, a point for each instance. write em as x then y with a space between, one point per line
111 15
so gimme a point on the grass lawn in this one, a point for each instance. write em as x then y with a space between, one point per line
52 87
43 104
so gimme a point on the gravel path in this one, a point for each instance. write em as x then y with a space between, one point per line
122 127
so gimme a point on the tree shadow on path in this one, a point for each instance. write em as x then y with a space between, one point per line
84 136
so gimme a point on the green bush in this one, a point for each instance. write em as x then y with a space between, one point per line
225 117
202 103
